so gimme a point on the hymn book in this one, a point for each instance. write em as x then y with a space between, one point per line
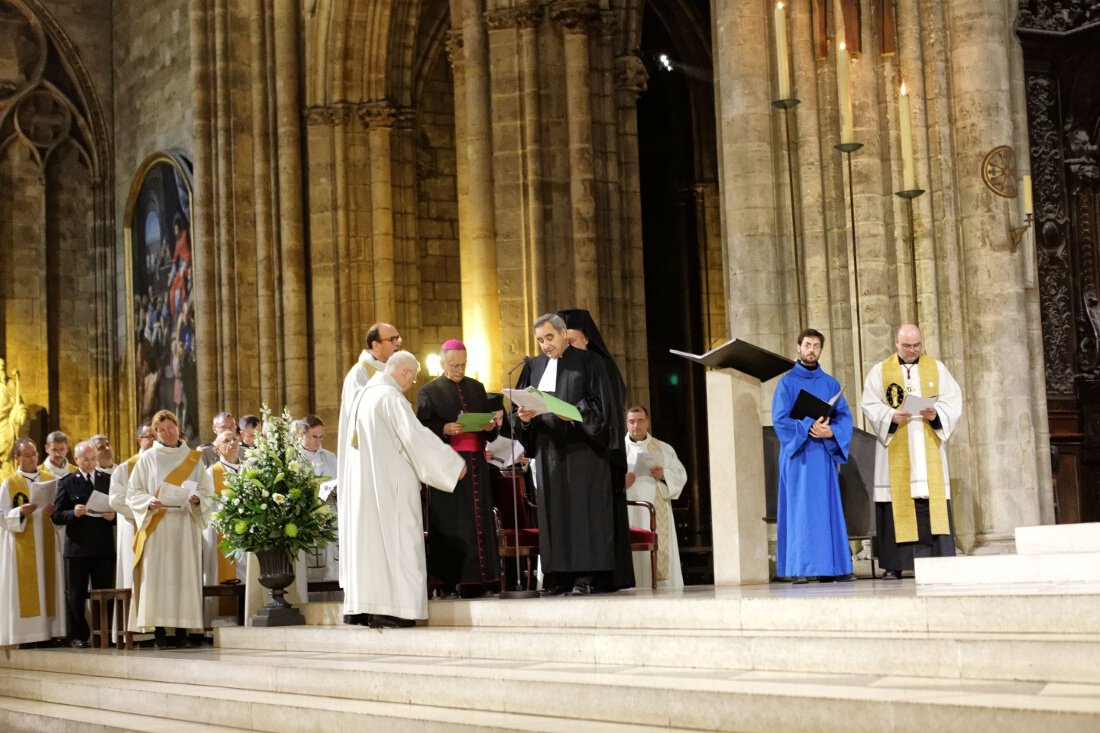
811 406
43 493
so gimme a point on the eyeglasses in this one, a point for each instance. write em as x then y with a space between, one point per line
393 339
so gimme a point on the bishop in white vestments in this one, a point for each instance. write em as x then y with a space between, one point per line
388 453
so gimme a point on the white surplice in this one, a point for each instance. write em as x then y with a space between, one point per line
15 629
387 454
325 561
647 488
124 531
356 378
880 416
168 583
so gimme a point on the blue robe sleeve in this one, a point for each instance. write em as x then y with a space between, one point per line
792 434
841 423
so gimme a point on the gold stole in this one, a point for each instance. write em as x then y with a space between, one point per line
227 569
905 514
26 554
176 476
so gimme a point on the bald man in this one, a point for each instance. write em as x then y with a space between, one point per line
912 486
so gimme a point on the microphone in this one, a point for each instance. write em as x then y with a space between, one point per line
518 364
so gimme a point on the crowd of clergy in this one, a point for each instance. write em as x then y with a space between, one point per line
413 490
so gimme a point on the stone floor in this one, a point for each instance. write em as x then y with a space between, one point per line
869 655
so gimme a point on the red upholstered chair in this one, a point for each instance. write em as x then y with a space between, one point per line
509 491
517 543
645 540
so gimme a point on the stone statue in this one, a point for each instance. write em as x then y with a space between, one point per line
13 413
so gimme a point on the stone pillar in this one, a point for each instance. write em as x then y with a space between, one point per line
477 249
575 17
288 145
378 119
998 391
630 81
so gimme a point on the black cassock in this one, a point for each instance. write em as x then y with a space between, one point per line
462 544
572 473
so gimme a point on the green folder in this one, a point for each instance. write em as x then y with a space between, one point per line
558 407
471 422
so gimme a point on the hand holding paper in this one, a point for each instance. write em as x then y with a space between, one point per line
542 403
914 405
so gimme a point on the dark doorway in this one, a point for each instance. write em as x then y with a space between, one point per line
671 134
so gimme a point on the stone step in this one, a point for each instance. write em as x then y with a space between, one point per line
1002 656
979 570
331 692
866 606
20 715
1058 539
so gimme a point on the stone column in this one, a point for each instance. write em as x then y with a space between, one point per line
631 78
998 391
288 146
477 231
575 17
378 119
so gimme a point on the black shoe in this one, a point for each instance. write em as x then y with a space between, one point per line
78 644
557 590
357 619
801 579
825 579
382 621
850 577
161 640
891 575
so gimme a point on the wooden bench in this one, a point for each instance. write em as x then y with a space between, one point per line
101 605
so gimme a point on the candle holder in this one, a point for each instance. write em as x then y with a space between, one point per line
787 105
847 149
908 196
1019 232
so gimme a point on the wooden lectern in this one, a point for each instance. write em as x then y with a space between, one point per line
737 498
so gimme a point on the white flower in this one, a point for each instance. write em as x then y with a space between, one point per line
241 510
295 466
263 506
278 499
266 494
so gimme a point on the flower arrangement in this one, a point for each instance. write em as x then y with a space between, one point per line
272 503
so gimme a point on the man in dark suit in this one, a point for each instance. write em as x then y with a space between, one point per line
89 539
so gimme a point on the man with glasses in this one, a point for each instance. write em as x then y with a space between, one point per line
912 486
383 341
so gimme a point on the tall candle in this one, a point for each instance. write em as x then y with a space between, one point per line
908 176
844 95
782 64
1028 206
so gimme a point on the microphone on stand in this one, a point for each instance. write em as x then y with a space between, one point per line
518 592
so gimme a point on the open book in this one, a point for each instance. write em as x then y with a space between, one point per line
813 407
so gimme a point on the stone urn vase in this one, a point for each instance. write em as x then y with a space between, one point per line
276 573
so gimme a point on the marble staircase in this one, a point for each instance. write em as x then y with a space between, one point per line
1060 553
871 655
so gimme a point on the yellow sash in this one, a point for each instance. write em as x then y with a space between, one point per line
227 569
26 552
177 476
905 514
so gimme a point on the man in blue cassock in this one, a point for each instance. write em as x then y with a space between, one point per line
812 535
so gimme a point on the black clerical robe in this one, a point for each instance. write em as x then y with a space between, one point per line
462 544
572 473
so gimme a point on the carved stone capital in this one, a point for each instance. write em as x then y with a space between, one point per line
575 16
526 16
631 74
376 114
340 113
1059 17
455 44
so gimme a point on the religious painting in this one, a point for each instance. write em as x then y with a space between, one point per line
160 289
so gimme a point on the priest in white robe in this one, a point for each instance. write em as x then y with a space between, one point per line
168 549
388 453
32 585
656 475
124 527
383 341
325 561
912 485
